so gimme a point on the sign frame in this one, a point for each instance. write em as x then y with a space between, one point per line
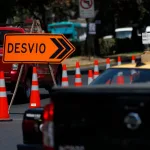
62 48
86 12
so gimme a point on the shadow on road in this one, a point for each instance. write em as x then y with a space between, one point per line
20 100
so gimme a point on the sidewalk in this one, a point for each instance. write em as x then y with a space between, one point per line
84 62
126 57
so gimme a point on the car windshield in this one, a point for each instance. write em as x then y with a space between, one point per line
3 32
123 76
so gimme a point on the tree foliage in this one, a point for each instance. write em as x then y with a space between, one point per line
60 9
122 13
111 12
126 12
6 9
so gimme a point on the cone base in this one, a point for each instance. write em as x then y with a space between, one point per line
34 106
35 100
4 120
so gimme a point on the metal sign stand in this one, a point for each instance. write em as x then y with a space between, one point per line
52 74
19 76
49 65
22 66
16 87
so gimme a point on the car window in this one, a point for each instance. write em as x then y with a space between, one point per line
123 34
123 76
3 32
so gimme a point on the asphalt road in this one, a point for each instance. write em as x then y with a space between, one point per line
11 132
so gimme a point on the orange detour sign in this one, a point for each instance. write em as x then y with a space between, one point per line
36 48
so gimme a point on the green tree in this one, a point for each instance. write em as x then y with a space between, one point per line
60 9
124 12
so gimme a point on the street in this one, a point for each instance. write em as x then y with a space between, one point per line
11 132
63 37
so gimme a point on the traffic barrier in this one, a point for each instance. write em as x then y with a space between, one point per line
120 78
90 76
96 69
78 80
108 82
65 82
4 114
119 60
35 94
133 60
107 63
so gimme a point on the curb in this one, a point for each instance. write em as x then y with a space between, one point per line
88 65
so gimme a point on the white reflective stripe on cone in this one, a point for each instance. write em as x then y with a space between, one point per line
107 66
96 69
120 74
77 70
77 80
90 80
95 76
2 83
64 74
33 104
119 63
133 61
3 94
65 83
34 77
34 88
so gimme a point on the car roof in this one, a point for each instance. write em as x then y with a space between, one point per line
143 66
12 28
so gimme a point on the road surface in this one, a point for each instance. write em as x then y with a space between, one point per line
11 132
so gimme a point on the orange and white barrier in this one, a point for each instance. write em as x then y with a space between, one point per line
35 94
65 82
96 69
119 60
107 63
93 74
4 115
133 60
120 78
90 76
78 80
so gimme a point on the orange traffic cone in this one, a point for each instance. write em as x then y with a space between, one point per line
78 81
35 94
90 76
107 63
4 114
108 82
133 60
120 78
119 60
96 69
64 77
